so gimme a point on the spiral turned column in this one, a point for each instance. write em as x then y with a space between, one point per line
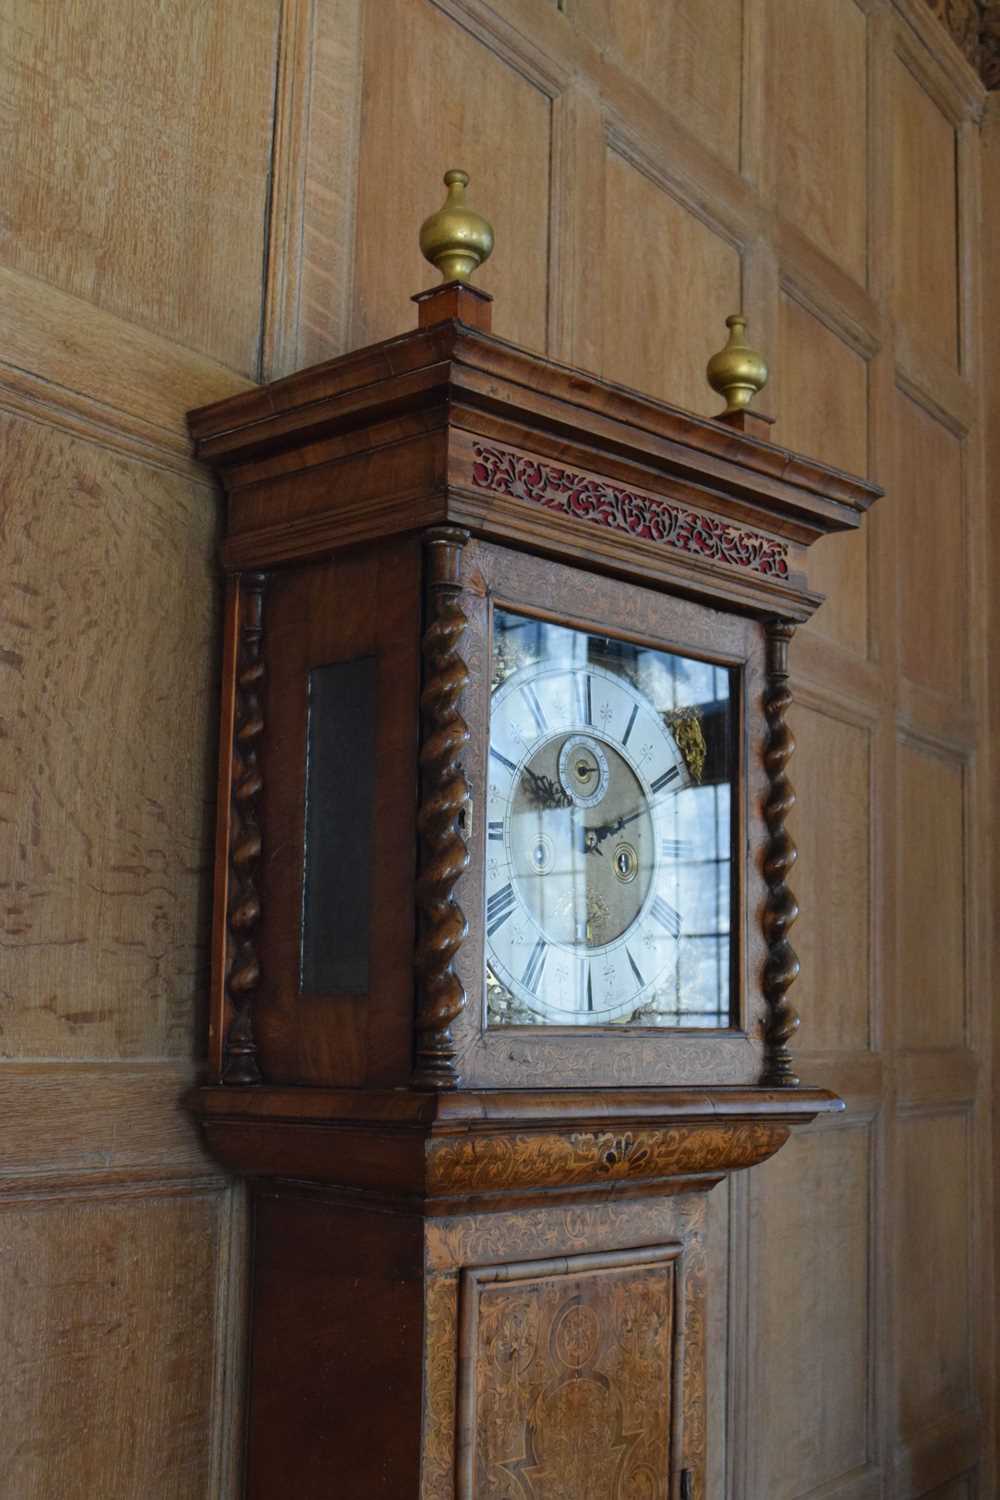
781 909
239 1062
444 799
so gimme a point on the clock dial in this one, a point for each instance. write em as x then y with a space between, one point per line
585 909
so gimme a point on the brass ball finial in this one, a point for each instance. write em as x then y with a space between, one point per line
456 239
737 372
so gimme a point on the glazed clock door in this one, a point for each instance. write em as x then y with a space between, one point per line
610 832
615 766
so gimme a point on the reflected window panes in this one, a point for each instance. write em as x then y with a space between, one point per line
609 832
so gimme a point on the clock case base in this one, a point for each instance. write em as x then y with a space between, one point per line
450 1286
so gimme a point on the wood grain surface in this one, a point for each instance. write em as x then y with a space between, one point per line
833 151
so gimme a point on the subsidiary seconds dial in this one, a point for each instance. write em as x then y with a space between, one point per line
582 768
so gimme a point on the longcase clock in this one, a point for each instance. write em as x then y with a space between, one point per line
501 952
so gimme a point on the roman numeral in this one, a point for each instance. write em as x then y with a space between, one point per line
674 848
584 700
499 907
534 707
503 760
635 970
590 989
532 976
494 831
631 723
665 779
666 916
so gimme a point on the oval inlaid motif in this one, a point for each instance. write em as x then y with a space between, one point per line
576 1336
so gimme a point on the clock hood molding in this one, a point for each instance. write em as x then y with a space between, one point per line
439 403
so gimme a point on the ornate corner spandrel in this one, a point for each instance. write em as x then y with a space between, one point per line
444 802
239 1058
781 966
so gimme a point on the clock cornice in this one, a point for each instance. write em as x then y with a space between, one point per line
428 397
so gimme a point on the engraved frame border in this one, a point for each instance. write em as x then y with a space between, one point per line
474 1279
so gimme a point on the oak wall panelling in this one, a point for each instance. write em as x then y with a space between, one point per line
825 412
935 1338
228 193
132 262
833 881
672 236
925 211
413 51
814 1208
931 900
107 1378
819 95
665 51
130 126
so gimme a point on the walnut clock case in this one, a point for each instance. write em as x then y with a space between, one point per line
501 956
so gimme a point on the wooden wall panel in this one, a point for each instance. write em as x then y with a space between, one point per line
817 95
924 219
664 47
415 53
109 706
106 1376
932 901
932 1289
810 1310
823 403
652 309
932 538
832 773
139 158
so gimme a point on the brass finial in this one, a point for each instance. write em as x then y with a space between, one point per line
737 372
456 239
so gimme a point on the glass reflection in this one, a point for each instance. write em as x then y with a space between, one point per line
610 832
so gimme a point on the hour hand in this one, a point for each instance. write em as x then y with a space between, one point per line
593 838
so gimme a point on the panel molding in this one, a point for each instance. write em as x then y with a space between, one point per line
932 1080
624 141
865 336
280 307
487 25
933 384
945 1450
69 1125
79 416
91 367
952 78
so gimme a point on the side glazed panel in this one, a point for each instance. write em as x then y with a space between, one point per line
361 605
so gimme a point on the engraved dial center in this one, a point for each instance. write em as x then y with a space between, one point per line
582 889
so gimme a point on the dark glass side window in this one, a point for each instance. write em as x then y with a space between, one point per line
340 792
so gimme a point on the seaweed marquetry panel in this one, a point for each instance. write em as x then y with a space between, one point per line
566 1378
